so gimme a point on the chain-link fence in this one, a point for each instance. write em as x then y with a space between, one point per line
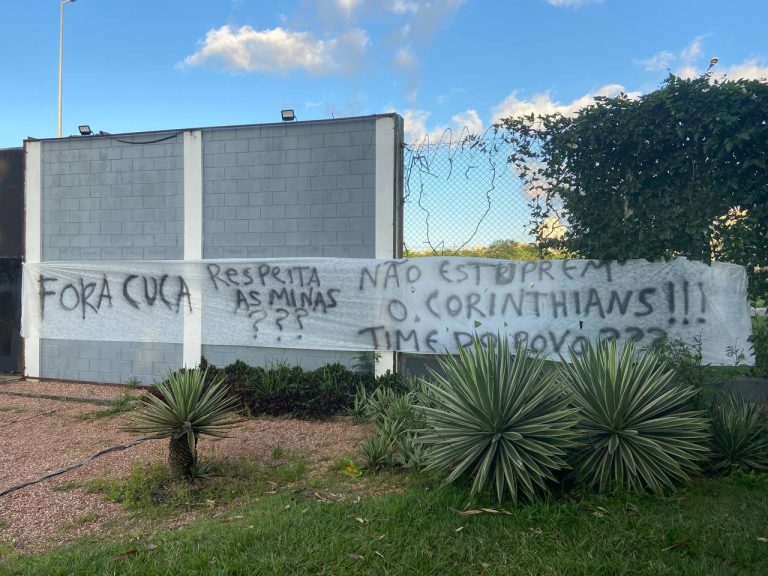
463 197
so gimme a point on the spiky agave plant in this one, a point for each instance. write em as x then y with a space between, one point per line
501 419
639 429
185 408
739 435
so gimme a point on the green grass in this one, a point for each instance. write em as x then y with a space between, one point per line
13 409
124 403
65 486
712 527
150 491
78 521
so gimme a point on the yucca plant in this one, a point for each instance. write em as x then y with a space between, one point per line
739 435
184 408
377 451
500 419
639 429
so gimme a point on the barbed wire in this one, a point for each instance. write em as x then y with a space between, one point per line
461 193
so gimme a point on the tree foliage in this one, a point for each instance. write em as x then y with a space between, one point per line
501 249
679 171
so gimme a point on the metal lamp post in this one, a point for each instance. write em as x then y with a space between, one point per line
61 53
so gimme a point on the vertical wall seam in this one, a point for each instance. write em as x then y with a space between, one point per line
33 188
384 222
384 225
193 243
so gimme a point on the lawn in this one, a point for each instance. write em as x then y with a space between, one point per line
713 526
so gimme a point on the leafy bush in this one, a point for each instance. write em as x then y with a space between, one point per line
502 420
684 358
393 381
638 428
397 419
281 389
739 436
377 452
185 407
680 170
759 345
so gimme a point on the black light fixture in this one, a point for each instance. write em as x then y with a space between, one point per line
287 115
85 130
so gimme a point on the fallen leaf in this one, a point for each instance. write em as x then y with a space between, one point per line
361 520
676 545
459 529
356 557
483 511
496 511
125 554
762 539
378 553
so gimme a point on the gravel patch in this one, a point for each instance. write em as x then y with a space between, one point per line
38 435
69 389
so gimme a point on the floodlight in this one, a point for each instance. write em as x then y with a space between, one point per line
287 115
85 130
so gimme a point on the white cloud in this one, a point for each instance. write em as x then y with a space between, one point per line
402 7
279 50
415 124
469 120
404 59
687 72
423 17
692 52
543 103
462 124
572 3
659 61
348 6
684 59
752 69
690 62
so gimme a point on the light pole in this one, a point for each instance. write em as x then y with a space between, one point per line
61 53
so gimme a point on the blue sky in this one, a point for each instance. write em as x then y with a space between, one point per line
155 64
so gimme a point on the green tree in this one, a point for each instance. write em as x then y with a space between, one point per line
679 171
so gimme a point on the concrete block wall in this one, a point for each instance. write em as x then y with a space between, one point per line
294 190
108 199
288 190
113 362
104 199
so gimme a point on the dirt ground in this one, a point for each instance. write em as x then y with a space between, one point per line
38 435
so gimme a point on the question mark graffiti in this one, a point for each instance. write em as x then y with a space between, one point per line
259 314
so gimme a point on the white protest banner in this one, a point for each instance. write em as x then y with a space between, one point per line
424 305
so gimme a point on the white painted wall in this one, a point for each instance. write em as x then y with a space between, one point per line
33 187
